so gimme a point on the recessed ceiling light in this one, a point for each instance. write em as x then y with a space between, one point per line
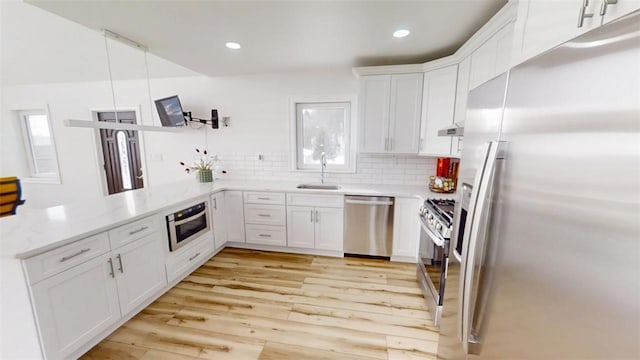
232 45
401 33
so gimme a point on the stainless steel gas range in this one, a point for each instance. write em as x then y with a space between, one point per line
436 220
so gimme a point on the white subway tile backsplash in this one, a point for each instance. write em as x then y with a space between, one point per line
371 169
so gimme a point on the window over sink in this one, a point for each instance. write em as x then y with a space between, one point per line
323 127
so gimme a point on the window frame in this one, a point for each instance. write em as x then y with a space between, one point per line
34 175
351 136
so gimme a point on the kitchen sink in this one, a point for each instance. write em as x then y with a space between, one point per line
318 187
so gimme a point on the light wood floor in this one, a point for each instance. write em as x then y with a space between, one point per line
245 304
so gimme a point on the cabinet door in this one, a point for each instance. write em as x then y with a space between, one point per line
483 63
405 109
300 226
614 11
438 110
544 24
462 94
406 229
504 42
329 228
235 215
75 305
374 113
218 220
139 268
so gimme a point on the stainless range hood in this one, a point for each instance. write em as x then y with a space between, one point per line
453 130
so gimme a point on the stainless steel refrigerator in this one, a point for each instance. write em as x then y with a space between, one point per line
548 264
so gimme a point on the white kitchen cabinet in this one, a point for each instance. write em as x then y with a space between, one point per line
390 113
404 119
273 235
329 229
74 306
544 24
406 230
439 97
315 227
75 303
301 226
140 272
493 57
218 219
234 216
617 10
462 95
374 113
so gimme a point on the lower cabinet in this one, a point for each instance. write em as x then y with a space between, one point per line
185 259
218 219
406 230
76 305
315 227
234 207
139 271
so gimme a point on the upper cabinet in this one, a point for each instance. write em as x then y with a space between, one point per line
613 9
390 113
543 24
492 58
438 102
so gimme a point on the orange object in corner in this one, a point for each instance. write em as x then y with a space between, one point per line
442 169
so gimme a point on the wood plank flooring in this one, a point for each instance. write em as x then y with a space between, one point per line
245 304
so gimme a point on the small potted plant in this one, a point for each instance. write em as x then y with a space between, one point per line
203 165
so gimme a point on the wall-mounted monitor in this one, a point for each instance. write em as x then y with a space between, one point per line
170 111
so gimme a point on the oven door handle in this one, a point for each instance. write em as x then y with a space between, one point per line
189 219
435 238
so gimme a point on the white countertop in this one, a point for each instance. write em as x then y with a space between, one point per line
32 232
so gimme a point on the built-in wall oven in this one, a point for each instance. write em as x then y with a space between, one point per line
436 222
187 224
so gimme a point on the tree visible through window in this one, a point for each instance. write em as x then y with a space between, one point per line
323 127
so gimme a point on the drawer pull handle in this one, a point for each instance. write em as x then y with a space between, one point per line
74 255
264 235
194 256
137 231
264 198
110 261
264 215
120 262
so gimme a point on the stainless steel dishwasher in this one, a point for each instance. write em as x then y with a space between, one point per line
368 225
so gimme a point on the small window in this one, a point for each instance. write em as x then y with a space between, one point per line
324 127
39 145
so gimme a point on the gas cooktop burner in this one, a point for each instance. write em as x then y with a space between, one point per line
443 208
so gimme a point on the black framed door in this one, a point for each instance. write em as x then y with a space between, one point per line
121 153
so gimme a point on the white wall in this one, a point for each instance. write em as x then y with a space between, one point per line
73 80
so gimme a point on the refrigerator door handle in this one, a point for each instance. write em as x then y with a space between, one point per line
474 298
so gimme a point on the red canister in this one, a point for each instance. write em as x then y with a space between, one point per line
442 170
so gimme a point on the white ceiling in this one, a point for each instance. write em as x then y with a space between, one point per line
279 36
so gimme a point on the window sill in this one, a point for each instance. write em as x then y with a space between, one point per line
36 180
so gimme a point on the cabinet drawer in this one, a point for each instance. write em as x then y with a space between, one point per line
266 235
264 198
336 201
132 231
185 260
265 214
55 261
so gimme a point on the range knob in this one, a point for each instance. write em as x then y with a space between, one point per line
439 227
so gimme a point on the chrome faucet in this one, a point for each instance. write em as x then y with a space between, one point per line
323 165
